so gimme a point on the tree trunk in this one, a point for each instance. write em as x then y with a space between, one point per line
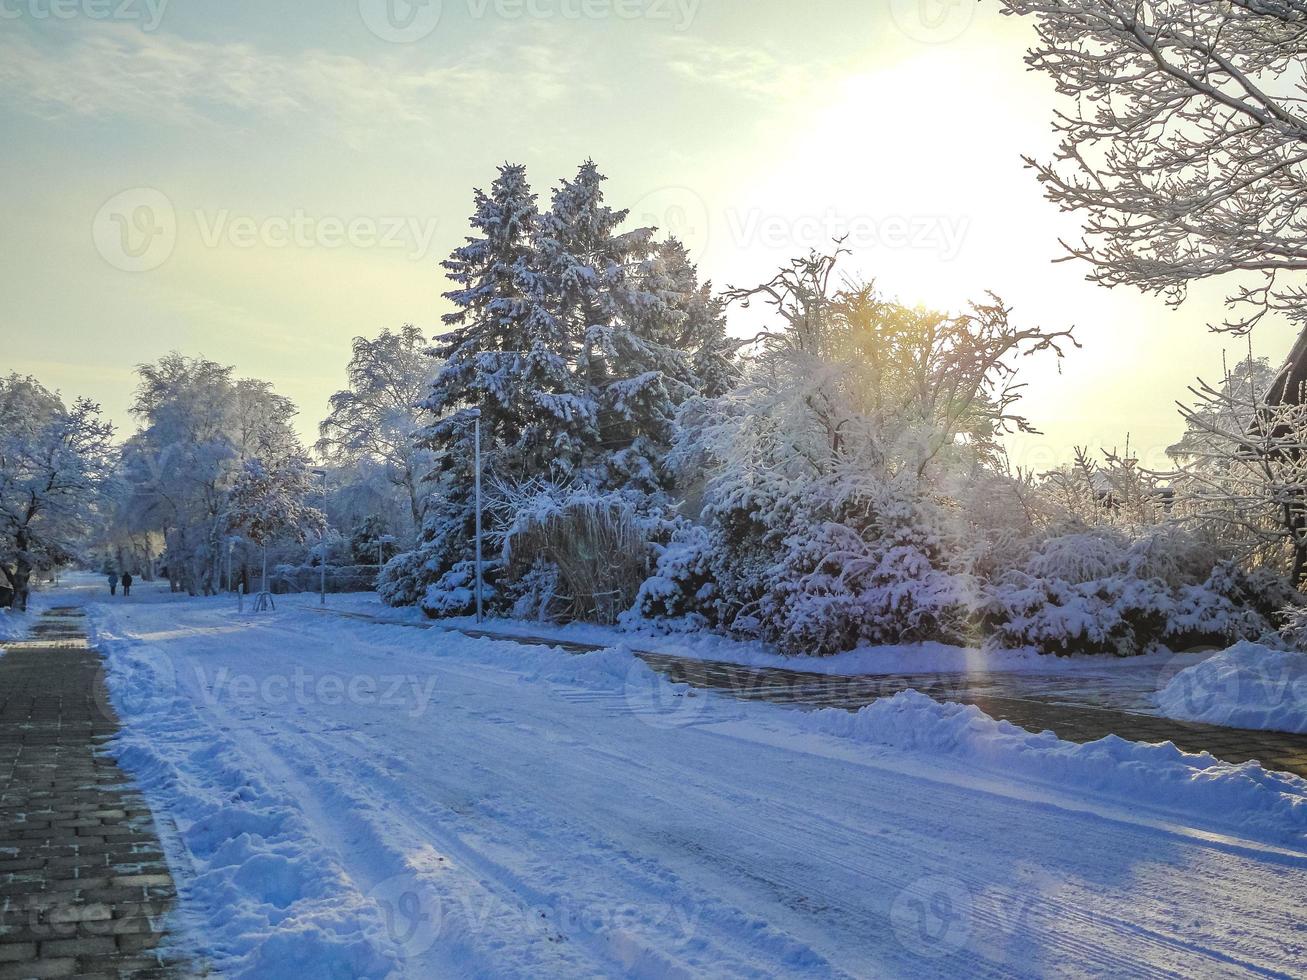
413 504
22 576
22 585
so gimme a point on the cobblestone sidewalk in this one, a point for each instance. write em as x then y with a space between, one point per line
84 888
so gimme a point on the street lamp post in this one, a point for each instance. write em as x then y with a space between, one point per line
322 546
476 442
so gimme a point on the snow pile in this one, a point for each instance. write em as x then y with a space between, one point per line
1246 798
12 624
1247 686
270 900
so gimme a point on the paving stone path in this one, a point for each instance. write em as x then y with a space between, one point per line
84 887
1066 706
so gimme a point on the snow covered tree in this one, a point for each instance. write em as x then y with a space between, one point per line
828 516
199 426
697 324
269 503
376 419
506 355
1181 142
53 461
576 341
506 352
1242 470
617 295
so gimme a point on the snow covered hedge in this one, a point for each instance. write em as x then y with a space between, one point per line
834 573
1100 591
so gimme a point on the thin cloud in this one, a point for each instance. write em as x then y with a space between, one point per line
119 71
749 71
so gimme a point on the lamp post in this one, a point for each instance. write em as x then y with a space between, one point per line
475 415
322 546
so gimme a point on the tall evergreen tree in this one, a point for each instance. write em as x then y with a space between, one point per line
631 373
506 353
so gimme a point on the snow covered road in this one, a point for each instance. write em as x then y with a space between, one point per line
352 799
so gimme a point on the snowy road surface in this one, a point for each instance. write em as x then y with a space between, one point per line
360 800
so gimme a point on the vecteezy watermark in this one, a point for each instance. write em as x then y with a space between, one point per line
679 13
932 916
401 21
416 914
402 692
677 212
137 230
942 234
147 13
660 701
300 229
932 21
408 21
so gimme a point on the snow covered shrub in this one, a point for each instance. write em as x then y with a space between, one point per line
838 585
591 550
832 473
399 581
454 592
683 587
1098 591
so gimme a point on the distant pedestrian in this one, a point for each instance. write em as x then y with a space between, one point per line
127 584
113 583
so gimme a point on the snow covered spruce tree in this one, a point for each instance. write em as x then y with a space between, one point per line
576 341
53 461
507 355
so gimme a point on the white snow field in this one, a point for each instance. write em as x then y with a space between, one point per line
342 799
1246 686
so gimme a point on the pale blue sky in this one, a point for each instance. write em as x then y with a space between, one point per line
316 172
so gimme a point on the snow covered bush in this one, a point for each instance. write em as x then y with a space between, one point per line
399 580
1100 591
884 578
830 515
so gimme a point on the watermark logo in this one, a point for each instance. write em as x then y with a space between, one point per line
401 21
942 234
677 212
679 13
932 916
147 13
660 701
932 21
411 915
300 229
407 693
136 230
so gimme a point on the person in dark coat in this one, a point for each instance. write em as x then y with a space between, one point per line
127 584
113 583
